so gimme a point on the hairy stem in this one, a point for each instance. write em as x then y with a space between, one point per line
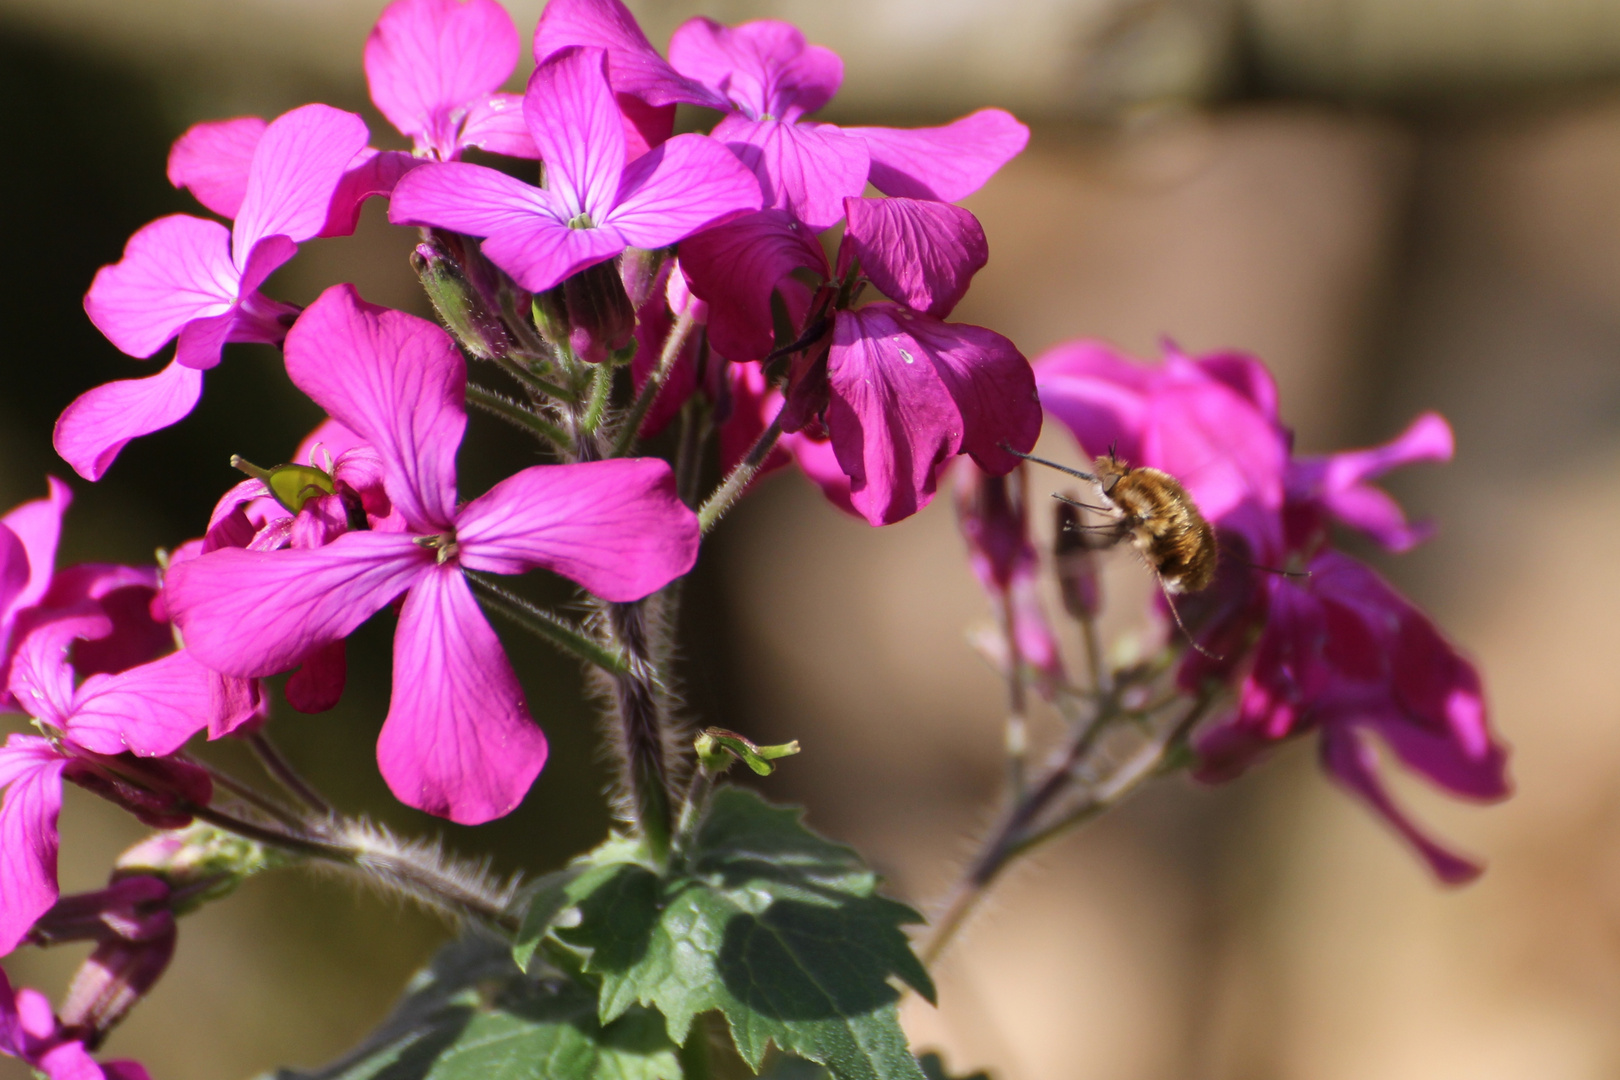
643 728
543 624
1017 727
517 415
601 390
673 344
732 488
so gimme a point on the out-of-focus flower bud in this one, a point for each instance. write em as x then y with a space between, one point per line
1076 564
463 307
199 863
588 316
639 270
160 792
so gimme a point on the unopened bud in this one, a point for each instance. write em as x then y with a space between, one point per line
1076 563
638 269
717 748
588 316
160 792
459 303
116 975
199 863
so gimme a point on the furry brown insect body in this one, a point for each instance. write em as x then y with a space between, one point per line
1161 522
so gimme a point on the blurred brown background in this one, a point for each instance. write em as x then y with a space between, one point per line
1400 204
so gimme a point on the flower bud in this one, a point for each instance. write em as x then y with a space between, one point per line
639 270
1076 564
199 863
589 315
159 791
468 315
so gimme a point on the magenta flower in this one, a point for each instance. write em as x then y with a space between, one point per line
28 538
767 79
595 203
1340 651
29 1031
189 278
906 390
458 740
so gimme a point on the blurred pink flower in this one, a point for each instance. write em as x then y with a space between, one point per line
458 740
29 1031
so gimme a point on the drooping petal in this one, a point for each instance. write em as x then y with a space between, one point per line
14 565
202 341
1348 756
256 613
923 254
616 527
764 67
100 422
38 525
469 199
426 59
317 685
495 123
150 710
41 676
174 270
808 169
296 168
687 184
577 128
31 773
543 253
634 66
736 266
211 161
458 741
397 382
946 163
125 595
372 174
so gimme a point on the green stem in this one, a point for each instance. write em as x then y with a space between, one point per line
643 728
654 384
601 390
732 488
513 413
546 625
532 382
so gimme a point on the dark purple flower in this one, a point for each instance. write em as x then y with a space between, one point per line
30 1032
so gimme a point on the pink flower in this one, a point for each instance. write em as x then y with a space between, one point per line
905 390
458 740
1338 651
596 202
29 1031
767 79
189 278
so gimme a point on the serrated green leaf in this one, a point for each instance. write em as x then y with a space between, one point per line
780 930
471 1015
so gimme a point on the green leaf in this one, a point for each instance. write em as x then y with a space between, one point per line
780 930
471 1015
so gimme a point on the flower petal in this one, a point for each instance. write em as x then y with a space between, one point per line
38 525
42 677
763 67
317 685
31 772
426 59
296 168
458 741
1337 482
736 266
256 613
675 189
578 130
99 422
372 173
809 169
397 382
150 710
634 66
495 123
543 253
174 270
946 163
923 254
616 527
469 199
211 161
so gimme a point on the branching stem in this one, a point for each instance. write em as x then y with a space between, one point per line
546 625
732 488
650 390
500 405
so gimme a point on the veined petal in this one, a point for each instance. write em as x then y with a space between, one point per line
174 270
150 710
256 613
211 161
396 381
946 163
470 199
458 741
202 341
495 123
41 674
763 67
427 58
14 564
99 423
372 173
736 266
317 685
677 188
296 168
923 254
808 169
38 525
616 527
634 66
542 253
578 130
31 772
